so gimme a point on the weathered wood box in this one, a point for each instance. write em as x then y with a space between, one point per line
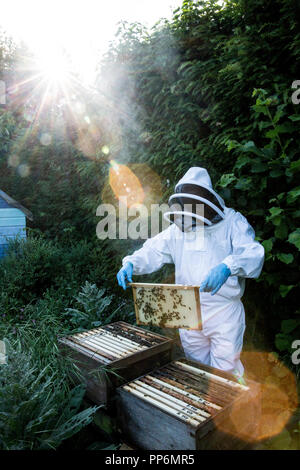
185 405
113 354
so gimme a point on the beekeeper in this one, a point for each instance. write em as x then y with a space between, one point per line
219 264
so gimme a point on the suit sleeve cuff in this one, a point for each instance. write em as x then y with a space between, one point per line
229 261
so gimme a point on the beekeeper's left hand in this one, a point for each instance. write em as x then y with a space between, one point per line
215 278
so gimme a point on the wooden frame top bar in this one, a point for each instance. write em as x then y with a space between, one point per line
162 343
167 286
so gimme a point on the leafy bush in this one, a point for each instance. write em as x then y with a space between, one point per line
38 268
92 310
273 170
37 411
92 307
30 267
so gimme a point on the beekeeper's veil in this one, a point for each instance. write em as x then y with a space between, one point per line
195 202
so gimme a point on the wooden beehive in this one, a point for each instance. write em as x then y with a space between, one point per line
167 305
115 353
12 221
185 405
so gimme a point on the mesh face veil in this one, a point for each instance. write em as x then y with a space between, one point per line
193 205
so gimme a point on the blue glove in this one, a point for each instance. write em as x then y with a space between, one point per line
215 279
125 274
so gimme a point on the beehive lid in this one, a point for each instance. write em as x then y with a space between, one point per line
167 305
186 391
116 342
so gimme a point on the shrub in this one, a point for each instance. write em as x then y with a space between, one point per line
37 268
92 308
37 410
272 168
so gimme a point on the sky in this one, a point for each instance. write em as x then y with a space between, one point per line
82 27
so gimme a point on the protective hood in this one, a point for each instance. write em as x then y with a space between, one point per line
194 190
199 177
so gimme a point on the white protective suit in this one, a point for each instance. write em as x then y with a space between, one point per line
230 241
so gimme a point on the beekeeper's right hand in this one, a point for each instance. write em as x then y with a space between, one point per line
125 274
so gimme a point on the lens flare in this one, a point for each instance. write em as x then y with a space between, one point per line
125 184
23 170
88 139
267 411
13 160
46 139
105 149
137 180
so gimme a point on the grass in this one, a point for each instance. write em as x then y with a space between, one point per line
41 407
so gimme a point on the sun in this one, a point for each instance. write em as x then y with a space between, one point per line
82 28
54 67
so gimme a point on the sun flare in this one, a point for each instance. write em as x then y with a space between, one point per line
81 28
54 68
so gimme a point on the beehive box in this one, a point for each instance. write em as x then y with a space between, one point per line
167 305
115 353
185 405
